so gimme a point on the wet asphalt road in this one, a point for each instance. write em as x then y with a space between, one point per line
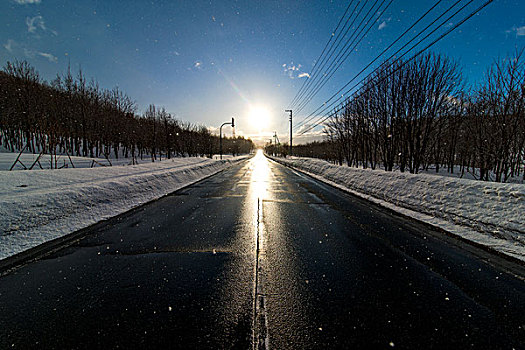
261 255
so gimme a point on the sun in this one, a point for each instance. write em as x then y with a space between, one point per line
259 117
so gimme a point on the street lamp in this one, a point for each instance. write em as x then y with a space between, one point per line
220 133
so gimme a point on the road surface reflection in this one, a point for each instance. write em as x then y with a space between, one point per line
253 186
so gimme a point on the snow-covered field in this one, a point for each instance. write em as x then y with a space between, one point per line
29 160
38 206
491 214
471 174
62 161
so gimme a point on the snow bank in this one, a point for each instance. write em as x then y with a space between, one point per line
486 213
38 206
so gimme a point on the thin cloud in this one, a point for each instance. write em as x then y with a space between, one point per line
49 56
518 31
305 127
35 23
29 53
12 46
384 24
294 71
311 133
28 2
9 45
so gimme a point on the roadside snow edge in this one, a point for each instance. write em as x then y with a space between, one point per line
489 214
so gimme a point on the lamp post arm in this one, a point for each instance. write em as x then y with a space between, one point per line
220 136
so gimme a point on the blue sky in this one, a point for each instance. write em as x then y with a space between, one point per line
206 61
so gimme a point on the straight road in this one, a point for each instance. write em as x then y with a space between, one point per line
260 256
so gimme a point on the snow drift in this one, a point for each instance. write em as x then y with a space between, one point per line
484 212
38 206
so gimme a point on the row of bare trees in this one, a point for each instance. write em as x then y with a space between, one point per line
318 149
416 115
73 116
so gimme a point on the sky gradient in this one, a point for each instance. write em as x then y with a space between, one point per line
206 61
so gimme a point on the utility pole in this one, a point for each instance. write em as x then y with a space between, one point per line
290 111
277 147
220 133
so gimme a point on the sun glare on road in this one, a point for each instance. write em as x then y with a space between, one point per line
260 175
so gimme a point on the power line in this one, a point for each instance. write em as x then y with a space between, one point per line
312 115
391 64
332 50
348 43
395 53
417 54
346 53
327 43
337 42
413 57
